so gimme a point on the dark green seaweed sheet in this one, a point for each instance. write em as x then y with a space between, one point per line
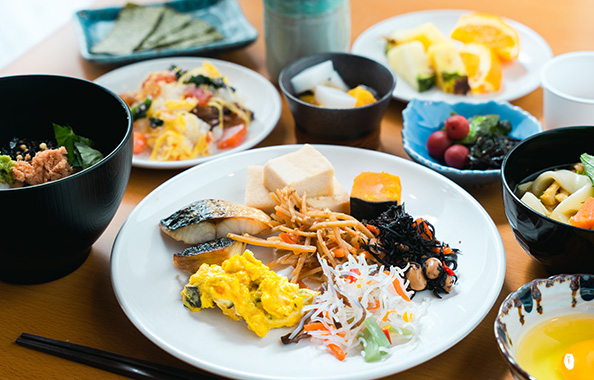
171 22
154 27
197 31
133 25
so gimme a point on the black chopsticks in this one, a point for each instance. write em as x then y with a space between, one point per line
107 361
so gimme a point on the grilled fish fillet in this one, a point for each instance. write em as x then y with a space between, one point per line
209 219
211 252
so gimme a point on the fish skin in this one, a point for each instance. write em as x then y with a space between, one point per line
211 252
197 222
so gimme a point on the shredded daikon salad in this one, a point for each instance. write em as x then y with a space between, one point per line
364 308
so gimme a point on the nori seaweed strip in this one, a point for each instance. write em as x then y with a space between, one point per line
400 242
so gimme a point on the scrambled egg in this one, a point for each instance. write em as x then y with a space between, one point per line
243 287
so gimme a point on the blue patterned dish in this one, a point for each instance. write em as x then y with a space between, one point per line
421 118
225 15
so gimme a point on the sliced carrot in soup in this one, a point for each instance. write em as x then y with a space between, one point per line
584 218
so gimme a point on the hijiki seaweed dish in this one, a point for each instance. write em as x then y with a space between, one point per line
347 266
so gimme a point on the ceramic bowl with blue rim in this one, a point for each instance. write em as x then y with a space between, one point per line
541 301
421 118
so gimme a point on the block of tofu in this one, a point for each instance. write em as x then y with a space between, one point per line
306 169
256 194
339 201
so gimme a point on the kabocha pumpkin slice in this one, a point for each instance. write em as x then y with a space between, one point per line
373 193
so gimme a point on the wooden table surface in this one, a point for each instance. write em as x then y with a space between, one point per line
82 308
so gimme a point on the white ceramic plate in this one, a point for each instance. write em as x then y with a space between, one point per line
519 77
257 93
148 285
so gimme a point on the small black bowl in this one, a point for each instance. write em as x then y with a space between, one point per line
48 229
351 126
560 247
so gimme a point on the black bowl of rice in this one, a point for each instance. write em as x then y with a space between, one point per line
58 195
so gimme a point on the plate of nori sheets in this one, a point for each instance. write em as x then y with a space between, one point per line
180 27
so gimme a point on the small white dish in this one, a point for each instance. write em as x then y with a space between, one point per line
568 83
519 77
257 93
148 285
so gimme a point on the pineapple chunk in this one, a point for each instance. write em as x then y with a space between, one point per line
410 61
449 68
426 33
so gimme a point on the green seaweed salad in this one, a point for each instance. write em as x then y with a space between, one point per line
80 151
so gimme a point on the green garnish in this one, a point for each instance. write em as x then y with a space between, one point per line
139 110
6 165
200 79
80 149
485 125
588 162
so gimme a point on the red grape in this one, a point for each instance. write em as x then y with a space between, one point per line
437 143
456 127
456 156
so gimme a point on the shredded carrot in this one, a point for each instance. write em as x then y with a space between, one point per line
339 252
373 229
584 218
314 326
399 290
423 228
337 351
375 306
289 238
385 318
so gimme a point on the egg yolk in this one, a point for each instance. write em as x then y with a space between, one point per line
578 361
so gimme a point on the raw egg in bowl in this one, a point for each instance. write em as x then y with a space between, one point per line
545 329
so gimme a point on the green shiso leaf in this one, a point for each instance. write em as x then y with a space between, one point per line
588 162
87 155
80 151
484 125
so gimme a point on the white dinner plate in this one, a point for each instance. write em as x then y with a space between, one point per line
520 77
148 285
255 91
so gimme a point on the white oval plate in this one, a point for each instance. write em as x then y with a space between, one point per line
148 285
519 77
257 93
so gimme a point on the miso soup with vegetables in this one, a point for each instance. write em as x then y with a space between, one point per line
28 162
565 194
